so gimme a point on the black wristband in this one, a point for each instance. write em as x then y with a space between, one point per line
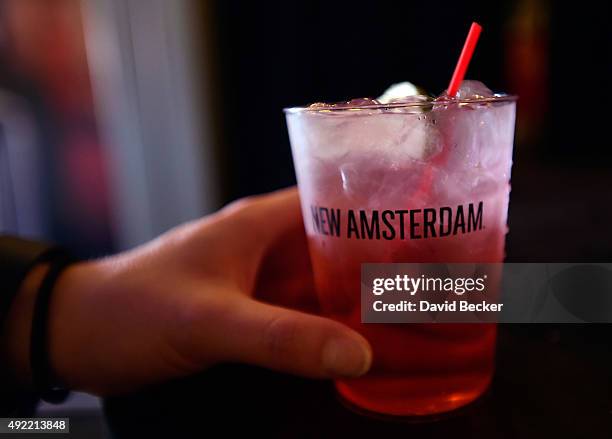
42 374
17 257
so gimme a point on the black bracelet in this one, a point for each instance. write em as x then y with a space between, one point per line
42 374
17 257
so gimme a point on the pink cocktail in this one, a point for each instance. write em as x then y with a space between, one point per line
429 165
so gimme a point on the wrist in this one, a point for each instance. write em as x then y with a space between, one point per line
69 312
65 312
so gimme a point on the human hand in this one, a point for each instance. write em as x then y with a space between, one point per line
192 298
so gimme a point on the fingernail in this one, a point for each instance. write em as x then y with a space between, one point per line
346 357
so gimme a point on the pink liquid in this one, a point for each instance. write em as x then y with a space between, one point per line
418 369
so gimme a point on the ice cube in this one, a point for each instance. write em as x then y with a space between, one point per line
358 102
399 90
371 179
396 138
409 104
468 90
416 99
418 139
349 105
476 155
473 90
319 106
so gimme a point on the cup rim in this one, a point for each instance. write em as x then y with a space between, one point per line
395 105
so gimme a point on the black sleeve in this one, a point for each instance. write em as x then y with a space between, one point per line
17 257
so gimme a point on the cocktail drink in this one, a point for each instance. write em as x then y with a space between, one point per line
425 181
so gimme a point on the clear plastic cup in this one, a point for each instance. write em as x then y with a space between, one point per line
417 157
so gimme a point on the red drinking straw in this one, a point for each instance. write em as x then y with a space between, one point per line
464 59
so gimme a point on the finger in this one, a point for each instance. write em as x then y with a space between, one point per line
284 275
239 234
292 341
270 215
247 230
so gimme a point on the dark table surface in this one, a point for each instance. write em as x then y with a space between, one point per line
550 381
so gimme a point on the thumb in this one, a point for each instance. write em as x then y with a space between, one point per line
292 341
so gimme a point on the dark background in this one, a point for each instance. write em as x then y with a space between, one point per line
555 55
